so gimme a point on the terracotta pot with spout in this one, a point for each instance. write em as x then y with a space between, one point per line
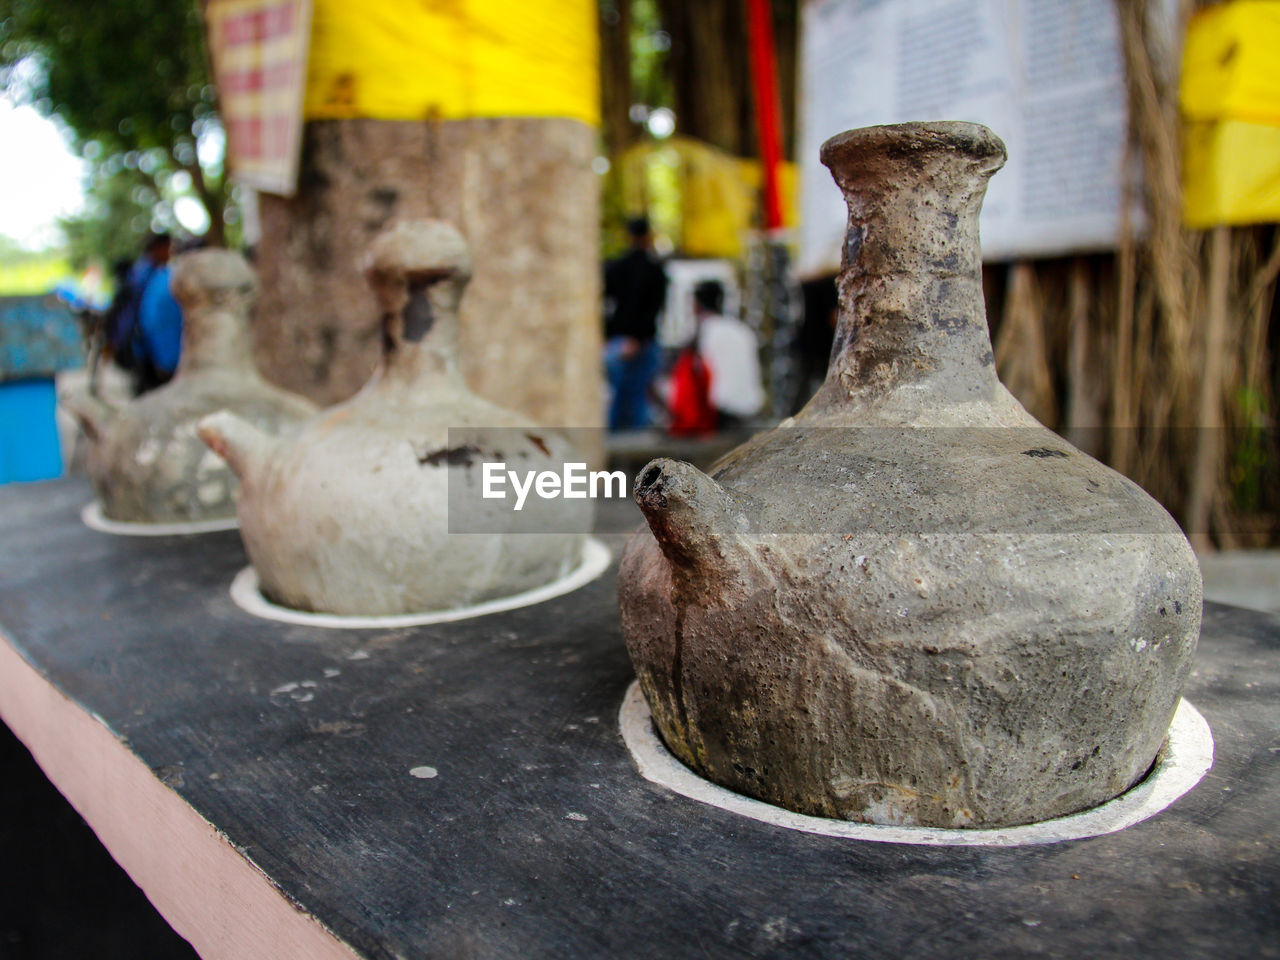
351 516
145 461
911 603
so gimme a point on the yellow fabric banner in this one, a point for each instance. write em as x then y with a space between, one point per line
1230 173
1230 98
1231 63
706 200
453 59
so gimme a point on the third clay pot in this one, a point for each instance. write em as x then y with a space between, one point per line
145 460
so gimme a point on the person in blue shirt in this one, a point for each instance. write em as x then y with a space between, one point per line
124 320
160 323
635 290
155 254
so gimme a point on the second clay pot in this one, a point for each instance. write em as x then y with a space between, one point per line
352 515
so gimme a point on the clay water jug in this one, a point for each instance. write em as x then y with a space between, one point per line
911 603
145 461
351 515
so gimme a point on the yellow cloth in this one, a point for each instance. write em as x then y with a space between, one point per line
453 59
706 200
1231 173
1230 98
1231 63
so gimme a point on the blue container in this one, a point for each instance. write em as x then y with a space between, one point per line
38 337
29 448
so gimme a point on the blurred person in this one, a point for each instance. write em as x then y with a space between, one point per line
635 287
120 271
689 409
731 353
160 327
101 333
812 344
124 329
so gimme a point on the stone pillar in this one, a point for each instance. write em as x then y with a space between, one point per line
522 192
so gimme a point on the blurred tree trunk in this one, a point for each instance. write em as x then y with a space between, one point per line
213 196
786 33
710 71
615 75
522 192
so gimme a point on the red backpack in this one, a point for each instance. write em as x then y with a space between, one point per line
691 410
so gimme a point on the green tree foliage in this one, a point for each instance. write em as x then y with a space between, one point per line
121 209
130 80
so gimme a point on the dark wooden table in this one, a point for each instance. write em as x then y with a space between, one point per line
265 785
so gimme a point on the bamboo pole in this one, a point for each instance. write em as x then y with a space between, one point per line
1206 463
1084 406
1122 395
1021 354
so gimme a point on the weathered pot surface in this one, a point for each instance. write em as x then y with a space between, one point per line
911 603
145 461
352 516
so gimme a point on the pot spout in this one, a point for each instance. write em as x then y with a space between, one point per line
92 413
697 523
235 440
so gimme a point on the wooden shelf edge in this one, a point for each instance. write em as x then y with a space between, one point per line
215 898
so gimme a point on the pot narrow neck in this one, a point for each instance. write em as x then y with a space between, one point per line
912 313
215 338
420 332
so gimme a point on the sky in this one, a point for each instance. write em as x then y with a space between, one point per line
40 178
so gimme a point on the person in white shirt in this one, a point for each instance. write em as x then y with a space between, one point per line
729 348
